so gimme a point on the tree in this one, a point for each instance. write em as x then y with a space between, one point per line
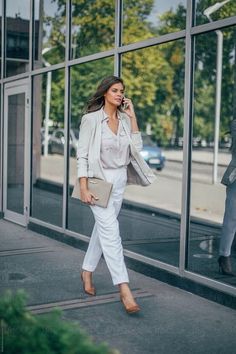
154 76
84 79
148 73
205 68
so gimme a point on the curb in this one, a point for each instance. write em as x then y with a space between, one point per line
198 162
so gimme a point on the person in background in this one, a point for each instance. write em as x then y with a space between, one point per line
229 222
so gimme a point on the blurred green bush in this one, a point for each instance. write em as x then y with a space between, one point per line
24 333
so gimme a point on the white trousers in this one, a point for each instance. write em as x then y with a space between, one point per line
105 238
229 222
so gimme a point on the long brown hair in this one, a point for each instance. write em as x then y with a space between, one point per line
97 100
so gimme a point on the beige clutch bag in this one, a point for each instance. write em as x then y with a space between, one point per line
100 188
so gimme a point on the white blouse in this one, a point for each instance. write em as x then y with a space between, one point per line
115 149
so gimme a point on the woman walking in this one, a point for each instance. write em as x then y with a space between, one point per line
109 136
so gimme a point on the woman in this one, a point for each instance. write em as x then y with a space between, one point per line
229 222
108 133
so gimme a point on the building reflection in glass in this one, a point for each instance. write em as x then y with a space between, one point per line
17 36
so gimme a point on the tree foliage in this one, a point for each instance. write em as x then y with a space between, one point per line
154 76
24 333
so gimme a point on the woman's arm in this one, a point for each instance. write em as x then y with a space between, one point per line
83 147
86 128
129 110
135 133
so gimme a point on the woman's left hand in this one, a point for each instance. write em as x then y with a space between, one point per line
129 108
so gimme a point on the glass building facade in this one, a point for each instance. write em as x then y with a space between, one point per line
178 61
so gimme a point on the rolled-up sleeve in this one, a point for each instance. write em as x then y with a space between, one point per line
83 147
136 137
137 140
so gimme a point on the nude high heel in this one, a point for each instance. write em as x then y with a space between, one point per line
130 309
90 291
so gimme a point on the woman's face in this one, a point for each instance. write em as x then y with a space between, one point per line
114 95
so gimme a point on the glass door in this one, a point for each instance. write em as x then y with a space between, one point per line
16 152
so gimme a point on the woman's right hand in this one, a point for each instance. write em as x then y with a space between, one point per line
87 197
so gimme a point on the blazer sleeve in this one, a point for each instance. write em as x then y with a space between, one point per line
83 146
137 140
135 137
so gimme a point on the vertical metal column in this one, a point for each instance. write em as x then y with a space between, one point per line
31 35
218 104
1 111
208 12
3 38
188 93
29 134
118 23
66 117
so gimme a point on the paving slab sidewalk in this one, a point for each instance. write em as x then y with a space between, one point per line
171 320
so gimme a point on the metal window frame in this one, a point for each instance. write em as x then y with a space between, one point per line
191 33
14 88
118 26
188 34
212 26
186 168
1 108
66 118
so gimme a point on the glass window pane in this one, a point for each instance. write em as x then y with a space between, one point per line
150 216
48 149
208 194
93 27
49 32
17 36
84 80
15 152
212 10
150 18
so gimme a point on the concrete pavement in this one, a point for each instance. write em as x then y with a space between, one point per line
171 320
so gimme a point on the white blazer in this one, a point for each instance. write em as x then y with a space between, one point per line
88 152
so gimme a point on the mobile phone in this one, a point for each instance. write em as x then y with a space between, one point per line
124 105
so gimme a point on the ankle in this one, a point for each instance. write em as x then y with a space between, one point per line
86 272
87 275
127 295
124 288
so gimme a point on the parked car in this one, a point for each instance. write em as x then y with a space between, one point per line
152 153
56 142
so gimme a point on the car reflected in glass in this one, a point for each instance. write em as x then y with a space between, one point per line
56 142
152 153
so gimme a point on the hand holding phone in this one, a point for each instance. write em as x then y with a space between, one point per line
124 104
127 107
